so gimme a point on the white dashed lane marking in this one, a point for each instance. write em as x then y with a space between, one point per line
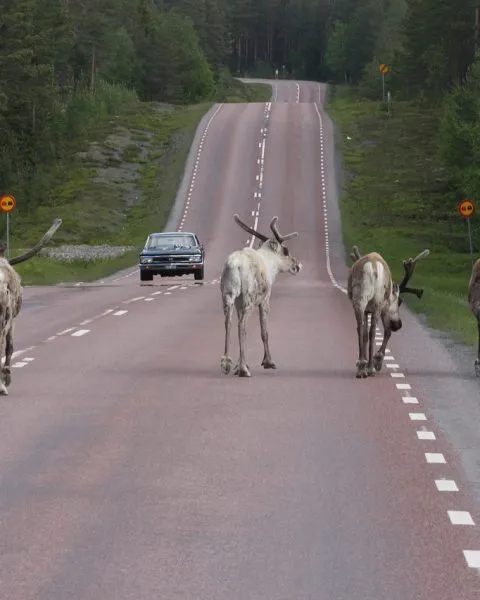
136 299
80 332
417 416
460 517
435 458
260 175
119 313
446 485
426 435
66 331
473 558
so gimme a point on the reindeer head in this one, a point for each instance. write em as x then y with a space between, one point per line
285 262
394 302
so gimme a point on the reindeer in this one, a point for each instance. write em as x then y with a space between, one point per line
372 292
474 304
246 282
11 299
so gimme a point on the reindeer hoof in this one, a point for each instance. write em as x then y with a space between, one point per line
226 364
378 361
361 369
243 371
3 390
236 369
477 367
268 364
371 371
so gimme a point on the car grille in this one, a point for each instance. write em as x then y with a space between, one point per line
172 259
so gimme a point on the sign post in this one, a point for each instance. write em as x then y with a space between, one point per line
7 204
467 208
384 69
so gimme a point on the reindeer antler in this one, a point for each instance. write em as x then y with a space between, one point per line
276 233
409 267
355 254
248 229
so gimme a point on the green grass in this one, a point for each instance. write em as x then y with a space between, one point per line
396 200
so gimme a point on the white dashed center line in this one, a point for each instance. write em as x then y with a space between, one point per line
259 177
80 332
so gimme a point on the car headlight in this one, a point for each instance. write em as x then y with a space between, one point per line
145 259
195 258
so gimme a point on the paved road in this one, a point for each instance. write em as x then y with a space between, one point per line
131 468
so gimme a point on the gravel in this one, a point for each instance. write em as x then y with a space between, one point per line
85 252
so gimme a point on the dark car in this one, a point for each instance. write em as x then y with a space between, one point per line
171 254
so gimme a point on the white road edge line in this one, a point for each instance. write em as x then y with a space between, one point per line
195 168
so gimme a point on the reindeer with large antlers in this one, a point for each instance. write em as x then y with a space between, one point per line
372 292
11 301
246 282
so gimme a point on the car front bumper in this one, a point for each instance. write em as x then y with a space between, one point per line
180 268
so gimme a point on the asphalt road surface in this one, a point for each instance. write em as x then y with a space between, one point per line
132 469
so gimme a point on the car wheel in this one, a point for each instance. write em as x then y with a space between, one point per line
146 276
198 275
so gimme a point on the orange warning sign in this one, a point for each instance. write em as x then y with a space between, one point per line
466 207
7 203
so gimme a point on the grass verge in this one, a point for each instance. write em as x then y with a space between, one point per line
396 200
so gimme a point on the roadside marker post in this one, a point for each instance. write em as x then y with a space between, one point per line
7 205
384 69
467 209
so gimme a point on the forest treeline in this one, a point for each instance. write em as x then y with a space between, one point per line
63 63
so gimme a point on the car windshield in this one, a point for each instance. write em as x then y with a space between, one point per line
170 241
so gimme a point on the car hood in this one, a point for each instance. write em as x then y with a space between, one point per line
170 251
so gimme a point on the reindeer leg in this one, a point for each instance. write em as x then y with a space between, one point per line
477 360
267 362
7 370
371 342
242 369
226 362
362 332
379 355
